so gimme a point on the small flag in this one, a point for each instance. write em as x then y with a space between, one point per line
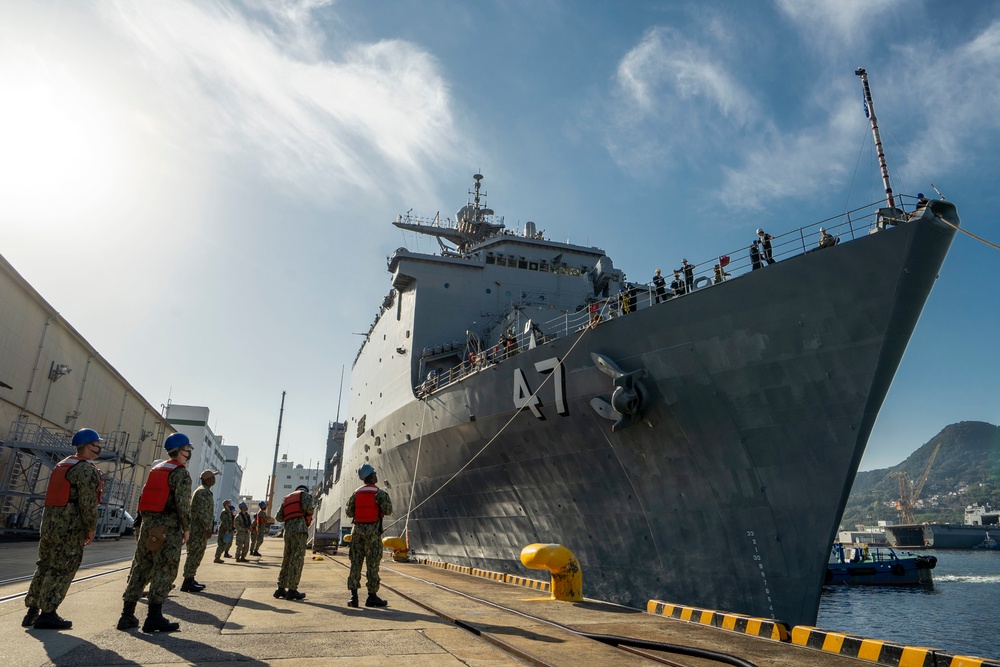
724 261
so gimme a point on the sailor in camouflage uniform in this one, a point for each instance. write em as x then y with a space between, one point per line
225 531
367 505
243 522
296 511
69 523
202 520
259 529
165 504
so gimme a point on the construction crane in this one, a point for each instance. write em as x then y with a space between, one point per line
909 493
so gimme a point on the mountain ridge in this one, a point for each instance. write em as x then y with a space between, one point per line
965 471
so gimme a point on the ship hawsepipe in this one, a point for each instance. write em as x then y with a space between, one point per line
759 397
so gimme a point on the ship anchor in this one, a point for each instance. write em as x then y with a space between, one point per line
628 398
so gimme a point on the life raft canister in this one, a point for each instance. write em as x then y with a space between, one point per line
156 490
366 510
291 507
57 492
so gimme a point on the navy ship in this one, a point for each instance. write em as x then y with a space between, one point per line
696 446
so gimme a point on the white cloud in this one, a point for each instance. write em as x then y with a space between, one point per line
668 86
836 24
260 90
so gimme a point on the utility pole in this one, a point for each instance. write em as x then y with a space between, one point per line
274 466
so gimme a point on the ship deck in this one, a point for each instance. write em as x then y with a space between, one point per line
435 616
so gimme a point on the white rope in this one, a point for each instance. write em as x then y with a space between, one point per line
413 486
980 239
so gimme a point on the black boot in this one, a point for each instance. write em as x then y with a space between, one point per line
29 617
50 620
280 593
375 601
293 594
155 622
353 602
189 585
128 619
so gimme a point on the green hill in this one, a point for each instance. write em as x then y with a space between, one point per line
965 471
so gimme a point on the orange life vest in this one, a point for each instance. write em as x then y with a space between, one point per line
57 493
261 518
366 510
156 490
291 507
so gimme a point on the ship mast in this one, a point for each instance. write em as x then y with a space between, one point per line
870 112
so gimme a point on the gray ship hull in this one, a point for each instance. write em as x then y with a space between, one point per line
760 395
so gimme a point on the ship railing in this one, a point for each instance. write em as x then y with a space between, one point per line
844 227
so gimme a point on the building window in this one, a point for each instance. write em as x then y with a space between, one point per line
287 486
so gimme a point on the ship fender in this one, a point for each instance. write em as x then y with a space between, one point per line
567 577
898 569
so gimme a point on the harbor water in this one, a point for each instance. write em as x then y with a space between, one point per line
959 613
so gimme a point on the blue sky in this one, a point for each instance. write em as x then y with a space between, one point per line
205 190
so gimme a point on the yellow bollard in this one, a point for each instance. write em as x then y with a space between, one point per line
567 578
400 550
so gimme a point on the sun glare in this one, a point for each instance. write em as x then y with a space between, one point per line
58 152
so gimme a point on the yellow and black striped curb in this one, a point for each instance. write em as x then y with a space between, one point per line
885 653
758 627
873 650
488 574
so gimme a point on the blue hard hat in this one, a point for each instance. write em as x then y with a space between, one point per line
920 195
365 470
243 506
262 504
176 441
85 436
302 487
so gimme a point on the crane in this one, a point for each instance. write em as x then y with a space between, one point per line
908 493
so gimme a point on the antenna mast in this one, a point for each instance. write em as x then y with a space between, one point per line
870 112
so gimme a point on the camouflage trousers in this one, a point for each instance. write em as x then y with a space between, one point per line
242 544
366 547
222 546
156 568
256 540
292 561
59 558
195 551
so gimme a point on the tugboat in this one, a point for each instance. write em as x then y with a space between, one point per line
861 566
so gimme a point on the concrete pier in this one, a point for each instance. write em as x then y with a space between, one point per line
435 616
